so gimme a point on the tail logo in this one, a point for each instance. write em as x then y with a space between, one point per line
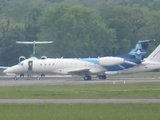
138 52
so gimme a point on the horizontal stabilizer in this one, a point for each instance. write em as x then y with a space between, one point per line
34 42
146 41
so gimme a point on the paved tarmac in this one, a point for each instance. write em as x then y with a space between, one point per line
5 81
76 101
72 81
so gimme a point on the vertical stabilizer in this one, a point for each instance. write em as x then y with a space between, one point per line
155 55
140 49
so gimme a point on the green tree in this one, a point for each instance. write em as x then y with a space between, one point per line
152 26
10 33
77 32
128 23
155 5
10 51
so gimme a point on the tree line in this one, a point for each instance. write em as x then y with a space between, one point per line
79 28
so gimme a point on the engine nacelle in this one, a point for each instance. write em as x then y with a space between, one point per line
110 61
21 58
112 72
43 57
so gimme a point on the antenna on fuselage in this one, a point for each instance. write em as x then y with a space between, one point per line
34 44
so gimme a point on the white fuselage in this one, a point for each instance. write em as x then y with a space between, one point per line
145 66
56 66
64 66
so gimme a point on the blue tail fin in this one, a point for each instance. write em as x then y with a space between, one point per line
139 51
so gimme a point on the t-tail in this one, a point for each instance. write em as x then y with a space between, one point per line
139 51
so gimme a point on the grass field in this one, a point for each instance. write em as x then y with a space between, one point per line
79 111
140 90
127 111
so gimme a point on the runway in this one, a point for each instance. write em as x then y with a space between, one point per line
76 101
75 81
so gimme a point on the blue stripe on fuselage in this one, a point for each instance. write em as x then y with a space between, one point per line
118 67
125 65
92 60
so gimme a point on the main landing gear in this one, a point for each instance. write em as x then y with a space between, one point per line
15 78
87 77
102 77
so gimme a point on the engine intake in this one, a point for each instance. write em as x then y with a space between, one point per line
21 58
43 57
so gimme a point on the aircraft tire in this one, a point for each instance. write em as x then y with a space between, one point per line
21 75
42 75
87 78
15 78
102 77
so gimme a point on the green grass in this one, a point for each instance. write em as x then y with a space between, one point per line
129 111
143 90
79 111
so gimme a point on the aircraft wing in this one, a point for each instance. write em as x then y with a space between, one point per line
80 71
3 67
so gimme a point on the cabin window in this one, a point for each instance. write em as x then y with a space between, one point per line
53 64
40 64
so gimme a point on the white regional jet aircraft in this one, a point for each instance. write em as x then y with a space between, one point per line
84 67
152 62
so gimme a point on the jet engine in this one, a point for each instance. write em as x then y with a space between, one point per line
110 61
43 57
21 58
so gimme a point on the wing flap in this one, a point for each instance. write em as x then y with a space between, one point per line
80 71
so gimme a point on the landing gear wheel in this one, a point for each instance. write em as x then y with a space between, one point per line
42 75
21 75
87 78
15 78
102 77
38 78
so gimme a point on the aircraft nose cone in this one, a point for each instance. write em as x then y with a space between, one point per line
13 69
7 70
